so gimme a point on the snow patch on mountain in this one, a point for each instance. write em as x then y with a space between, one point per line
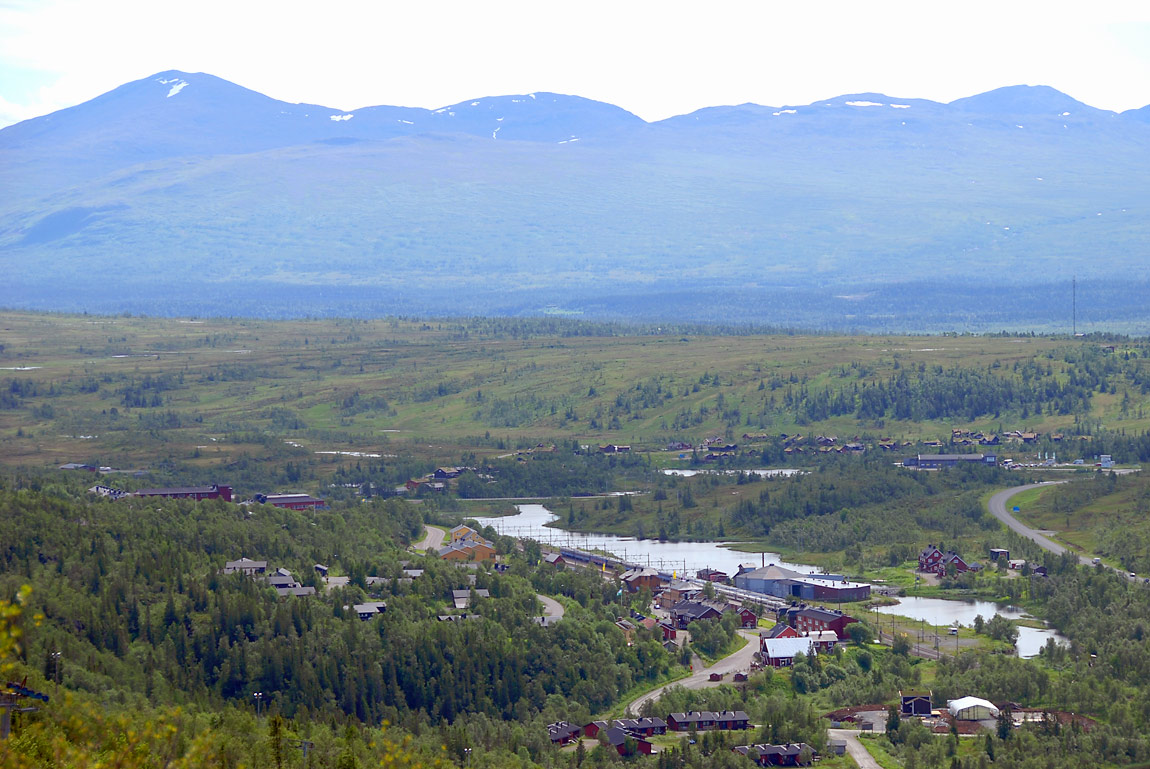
863 104
338 118
176 84
785 112
901 106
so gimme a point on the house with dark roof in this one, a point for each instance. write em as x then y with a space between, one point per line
197 493
639 727
732 720
915 703
295 591
278 580
789 754
622 741
940 461
563 732
554 559
780 630
699 720
641 577
706 720
686 612
645 726
370 609
712 575
245 566
816 618
678 590
291 501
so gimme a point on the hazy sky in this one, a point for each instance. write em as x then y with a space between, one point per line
655 59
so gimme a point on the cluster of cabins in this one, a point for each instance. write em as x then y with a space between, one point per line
788 754
438 481
467 545
630 735
281 579
618 731
214 491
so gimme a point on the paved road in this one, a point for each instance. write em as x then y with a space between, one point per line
432 539
551 607
997 507
739 661
855 748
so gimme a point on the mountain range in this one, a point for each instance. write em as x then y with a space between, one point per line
186 194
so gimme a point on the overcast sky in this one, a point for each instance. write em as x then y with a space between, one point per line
655 59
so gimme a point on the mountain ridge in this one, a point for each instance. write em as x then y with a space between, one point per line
188 180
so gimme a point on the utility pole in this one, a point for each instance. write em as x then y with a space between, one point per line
305 746
56 659
259 698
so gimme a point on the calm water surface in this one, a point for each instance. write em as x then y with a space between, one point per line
943 612
680 557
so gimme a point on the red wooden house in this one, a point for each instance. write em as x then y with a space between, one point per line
815 618
933 561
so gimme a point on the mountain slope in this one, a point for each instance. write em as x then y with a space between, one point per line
186 185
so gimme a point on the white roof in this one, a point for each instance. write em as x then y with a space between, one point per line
822 636
787 647
962 703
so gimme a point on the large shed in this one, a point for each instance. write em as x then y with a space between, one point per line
972 709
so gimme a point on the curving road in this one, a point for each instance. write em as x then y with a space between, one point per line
551 607
432 539
701 679
997 507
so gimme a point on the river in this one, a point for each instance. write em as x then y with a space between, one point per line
679 557
942 612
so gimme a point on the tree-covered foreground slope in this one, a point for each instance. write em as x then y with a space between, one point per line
161 654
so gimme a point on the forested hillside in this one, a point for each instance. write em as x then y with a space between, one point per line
131 595
137 593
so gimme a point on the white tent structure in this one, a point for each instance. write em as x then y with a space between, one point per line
971 709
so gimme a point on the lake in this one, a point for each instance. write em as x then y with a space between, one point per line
680 557
943 612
